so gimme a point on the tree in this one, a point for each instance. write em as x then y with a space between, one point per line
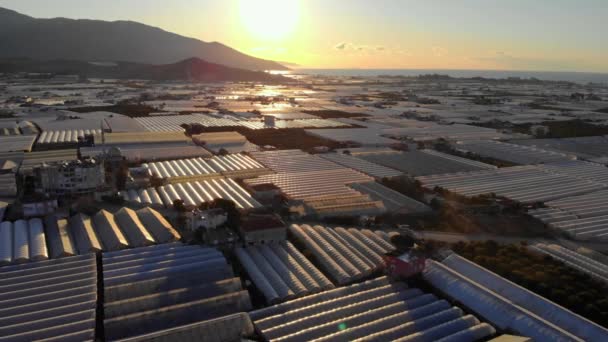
402 242
233 219
121 177
114 199
187 128
435 203
156 181
558 295
179 206
541 274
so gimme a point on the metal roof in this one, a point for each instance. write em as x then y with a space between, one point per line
16 143
152 290
374 310
49 300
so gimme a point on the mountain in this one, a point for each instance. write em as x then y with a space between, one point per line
200 70
290 65
95 40
192 69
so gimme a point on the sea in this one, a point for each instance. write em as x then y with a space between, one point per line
577 77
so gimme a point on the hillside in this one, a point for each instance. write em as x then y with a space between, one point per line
192 69
94 40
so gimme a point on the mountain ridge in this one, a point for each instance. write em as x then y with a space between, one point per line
191 69
122 40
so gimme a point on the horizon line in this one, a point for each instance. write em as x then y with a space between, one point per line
453 69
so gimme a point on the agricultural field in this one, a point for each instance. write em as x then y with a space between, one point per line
543 275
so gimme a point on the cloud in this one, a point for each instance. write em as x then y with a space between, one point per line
341 46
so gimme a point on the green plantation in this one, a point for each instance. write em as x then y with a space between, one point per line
543 275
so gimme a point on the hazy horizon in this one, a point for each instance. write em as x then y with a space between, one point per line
519 35
454 69
569 76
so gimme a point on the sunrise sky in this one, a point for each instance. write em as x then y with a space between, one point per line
561 35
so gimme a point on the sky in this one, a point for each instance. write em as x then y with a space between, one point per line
545 35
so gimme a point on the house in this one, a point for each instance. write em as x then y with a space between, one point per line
70 179
262 229
208 219
264 192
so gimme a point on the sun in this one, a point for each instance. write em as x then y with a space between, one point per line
269 19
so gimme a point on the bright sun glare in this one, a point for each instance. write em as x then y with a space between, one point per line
270 19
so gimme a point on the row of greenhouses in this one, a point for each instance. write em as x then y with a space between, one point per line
193 194
374 310
36 239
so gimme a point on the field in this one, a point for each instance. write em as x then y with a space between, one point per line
479 219
543 275
282 139
557 129
130 110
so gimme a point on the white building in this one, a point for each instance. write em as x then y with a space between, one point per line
70 179
208 219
